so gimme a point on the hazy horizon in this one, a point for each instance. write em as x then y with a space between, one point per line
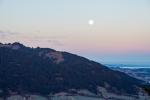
102 30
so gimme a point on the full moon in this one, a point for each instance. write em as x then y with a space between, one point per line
91 22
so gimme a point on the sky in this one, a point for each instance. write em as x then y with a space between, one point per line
120 32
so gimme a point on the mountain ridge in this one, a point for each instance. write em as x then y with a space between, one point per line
44 70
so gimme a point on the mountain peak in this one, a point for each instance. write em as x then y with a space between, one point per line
14 46
17 43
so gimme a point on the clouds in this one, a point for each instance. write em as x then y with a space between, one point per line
52 40
55 42
8 36
7 33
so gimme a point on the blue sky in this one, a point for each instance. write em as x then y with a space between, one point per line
120 33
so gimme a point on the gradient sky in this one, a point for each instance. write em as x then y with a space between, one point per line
120 33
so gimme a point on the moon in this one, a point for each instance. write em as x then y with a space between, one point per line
91 22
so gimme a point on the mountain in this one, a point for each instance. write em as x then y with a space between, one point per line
139 73
47 71
147 89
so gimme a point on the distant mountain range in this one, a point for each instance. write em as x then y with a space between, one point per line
129 66
139 73
47 71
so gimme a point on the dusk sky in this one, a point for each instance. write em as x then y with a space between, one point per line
119 31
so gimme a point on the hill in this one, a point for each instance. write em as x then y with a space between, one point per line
47 71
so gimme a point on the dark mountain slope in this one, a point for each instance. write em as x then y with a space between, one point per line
44 71
147 89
